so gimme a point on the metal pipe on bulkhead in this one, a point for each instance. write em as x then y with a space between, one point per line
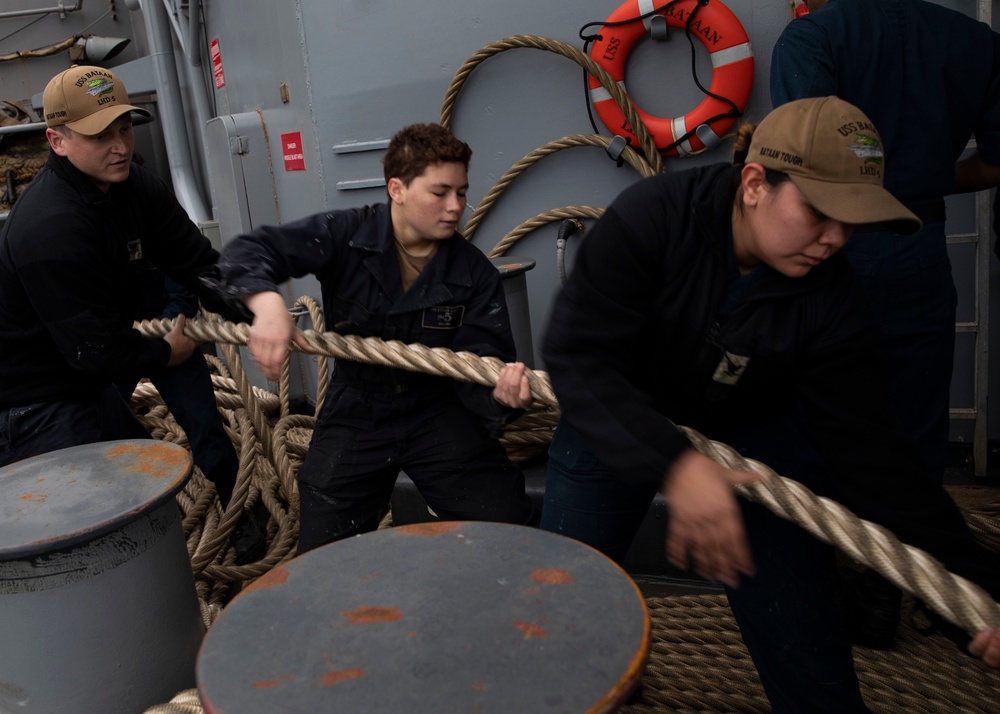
60 8
203 109
183 172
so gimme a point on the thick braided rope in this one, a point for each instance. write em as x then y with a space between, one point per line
551 216
960 601
322 361
629 155
465 366
955 598
549 45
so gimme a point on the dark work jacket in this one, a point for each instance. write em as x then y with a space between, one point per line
636 345
73 261
456 302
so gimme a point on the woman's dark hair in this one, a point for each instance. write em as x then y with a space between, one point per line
741 147
417 146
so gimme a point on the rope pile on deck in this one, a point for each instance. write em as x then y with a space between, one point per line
698 661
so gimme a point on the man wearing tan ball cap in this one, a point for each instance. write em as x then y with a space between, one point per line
79 252
89 122
86 99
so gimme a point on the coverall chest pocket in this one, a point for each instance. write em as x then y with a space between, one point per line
351 317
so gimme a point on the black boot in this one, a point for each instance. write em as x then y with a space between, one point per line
872 608
249 539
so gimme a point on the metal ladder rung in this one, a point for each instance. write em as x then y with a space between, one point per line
963 413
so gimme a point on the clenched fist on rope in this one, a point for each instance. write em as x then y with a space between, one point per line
512 388
272 332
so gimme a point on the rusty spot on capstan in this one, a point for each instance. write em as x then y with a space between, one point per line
155 459
34 497
547 576
530 629
342 675
271 683
427 529
368 615
274 577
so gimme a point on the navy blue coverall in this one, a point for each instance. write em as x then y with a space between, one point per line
929 78
377 420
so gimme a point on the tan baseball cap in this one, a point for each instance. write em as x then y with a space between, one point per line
86 99
833 154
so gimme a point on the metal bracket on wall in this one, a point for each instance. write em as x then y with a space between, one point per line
239 145
354 147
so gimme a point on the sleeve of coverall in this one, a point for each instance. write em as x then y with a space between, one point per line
261 260
987 131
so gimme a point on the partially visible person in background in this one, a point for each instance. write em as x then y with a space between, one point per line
929 79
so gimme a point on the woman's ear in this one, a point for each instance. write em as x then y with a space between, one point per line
395 189
752 179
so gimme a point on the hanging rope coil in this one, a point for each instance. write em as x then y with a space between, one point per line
628 154
645 141
553 216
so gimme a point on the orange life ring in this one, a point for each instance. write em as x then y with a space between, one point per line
732 72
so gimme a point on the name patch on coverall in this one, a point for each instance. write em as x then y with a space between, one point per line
443 317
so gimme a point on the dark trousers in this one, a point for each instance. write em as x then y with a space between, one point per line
909 283
788 613
188 392
361 441
40 428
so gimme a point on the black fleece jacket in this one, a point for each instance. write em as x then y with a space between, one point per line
72 264
636 344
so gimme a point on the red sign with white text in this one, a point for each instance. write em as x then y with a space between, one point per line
291 149
216 55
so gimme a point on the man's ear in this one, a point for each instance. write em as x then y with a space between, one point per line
56 140
752 178
395 190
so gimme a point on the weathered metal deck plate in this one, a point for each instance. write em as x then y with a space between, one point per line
72 496
455 616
